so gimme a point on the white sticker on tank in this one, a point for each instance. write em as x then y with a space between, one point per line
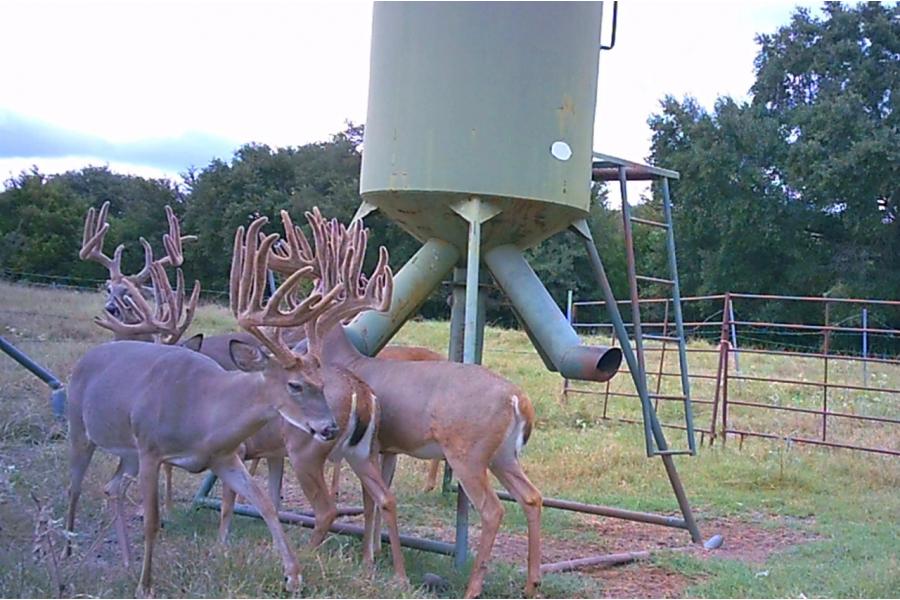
560 150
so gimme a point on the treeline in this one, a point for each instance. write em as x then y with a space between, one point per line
794 192
41 217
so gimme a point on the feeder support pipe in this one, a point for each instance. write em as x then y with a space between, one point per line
546 322
371 331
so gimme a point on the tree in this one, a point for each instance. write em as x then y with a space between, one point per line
831 84
41 219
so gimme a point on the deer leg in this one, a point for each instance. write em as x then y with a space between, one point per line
254 465
116 489
81 450
388 468
170 504
477 486
380 496
311 476
229 497
510 474
148 476
369 532
276 476
431 480
231 470
336 480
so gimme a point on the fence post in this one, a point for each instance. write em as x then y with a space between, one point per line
865 346
826 343
570 317
734 344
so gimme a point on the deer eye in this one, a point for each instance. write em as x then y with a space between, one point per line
295 387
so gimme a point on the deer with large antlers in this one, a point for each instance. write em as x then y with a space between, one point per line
151 404
96 227
335 262
125 293
475 419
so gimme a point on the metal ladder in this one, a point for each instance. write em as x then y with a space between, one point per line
625 171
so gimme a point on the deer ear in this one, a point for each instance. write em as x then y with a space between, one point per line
194 343
246 356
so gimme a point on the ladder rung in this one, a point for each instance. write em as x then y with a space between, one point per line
672 452
649 222
662 338
654 279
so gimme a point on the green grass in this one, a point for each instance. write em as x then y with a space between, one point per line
844 504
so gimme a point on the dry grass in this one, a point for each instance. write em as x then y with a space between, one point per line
846 500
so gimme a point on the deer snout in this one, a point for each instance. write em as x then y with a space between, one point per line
111 307
326 431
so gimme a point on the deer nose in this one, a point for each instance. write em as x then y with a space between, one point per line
111 308
330 432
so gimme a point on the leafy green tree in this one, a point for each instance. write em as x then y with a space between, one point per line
42 218
831 85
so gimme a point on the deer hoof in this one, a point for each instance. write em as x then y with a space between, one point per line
435 583
143 592
293 583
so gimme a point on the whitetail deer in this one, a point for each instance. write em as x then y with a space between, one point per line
95 228
472 417
151 404
336 261
122 291
414 353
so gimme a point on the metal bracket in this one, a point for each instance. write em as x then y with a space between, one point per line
364 210
476 210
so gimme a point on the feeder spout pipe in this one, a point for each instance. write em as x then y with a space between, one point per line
371 330
547 323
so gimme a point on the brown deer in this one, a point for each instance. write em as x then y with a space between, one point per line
413 353
335 262
151 404
475 419
119 293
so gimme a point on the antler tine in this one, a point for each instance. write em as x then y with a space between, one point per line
95 228
248 272
171 242
294 252
359 293
172 317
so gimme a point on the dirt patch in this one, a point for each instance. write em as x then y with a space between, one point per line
751 542
753 539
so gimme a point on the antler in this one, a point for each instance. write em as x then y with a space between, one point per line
95 228
293 252
342 267
167 321
171 242
249 264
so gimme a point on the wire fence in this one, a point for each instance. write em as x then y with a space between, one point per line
829 378
84 284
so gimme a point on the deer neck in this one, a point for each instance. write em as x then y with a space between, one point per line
337 348
243 405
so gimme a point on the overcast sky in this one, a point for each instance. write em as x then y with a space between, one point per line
154 87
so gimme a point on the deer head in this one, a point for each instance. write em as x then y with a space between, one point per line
165 322
117 288
292 376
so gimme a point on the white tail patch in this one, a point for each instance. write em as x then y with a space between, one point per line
519 426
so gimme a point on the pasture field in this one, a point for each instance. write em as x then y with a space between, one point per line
797 521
